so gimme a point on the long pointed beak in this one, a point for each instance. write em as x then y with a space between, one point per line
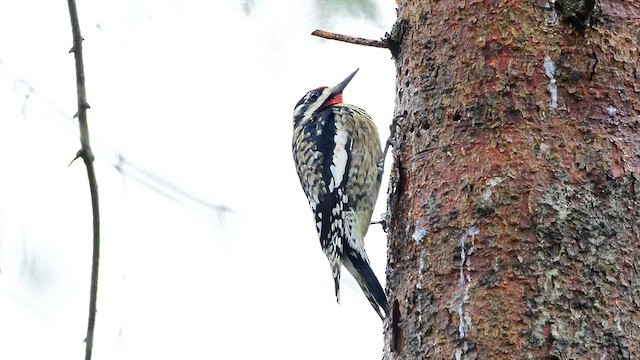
343 84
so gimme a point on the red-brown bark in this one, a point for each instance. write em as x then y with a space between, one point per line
515 196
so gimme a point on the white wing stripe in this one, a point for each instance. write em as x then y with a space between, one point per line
340 156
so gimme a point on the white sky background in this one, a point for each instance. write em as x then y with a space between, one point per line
202 95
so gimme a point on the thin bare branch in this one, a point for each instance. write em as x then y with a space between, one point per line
350 39
86 154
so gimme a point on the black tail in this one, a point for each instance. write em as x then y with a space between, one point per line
361 271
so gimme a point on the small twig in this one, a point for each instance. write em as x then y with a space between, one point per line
391 141
350 39
382 222
78 155
87 155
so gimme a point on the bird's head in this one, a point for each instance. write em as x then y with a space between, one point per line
320 99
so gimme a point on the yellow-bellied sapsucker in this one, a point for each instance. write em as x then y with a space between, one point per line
336 150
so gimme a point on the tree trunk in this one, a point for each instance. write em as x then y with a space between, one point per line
515 194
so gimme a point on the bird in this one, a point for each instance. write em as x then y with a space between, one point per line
338 158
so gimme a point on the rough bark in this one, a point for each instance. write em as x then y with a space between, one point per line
515 194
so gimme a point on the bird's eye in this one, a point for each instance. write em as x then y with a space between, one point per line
313 96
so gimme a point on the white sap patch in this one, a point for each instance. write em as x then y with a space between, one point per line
550 70
419 235
462 294
472 231
552 17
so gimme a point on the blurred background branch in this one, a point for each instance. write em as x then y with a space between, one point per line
128 169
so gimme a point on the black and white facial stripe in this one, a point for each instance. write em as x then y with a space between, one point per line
310 103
